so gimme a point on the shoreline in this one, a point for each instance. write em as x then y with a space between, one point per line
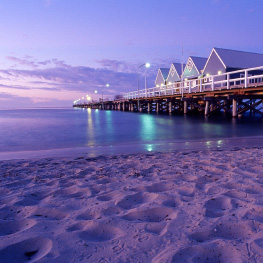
154 207
138 148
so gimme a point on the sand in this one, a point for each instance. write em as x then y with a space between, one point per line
199 206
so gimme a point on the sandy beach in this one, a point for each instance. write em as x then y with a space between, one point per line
195 206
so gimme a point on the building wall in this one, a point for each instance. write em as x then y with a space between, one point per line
214 65
159 79
173 78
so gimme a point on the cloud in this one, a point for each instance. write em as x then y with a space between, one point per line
24 62
56 77
29 61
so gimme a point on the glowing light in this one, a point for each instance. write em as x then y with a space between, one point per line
219 72
95 91
207 74
149 147
157 86
147 65
107 85
170 82
185 79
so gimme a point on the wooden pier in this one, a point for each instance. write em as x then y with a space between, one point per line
225 92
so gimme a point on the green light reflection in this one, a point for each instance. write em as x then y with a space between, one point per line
148 129
90 129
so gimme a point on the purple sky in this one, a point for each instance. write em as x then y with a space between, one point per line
55 51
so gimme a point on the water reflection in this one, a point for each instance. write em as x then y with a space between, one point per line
21 129
109 126
148 127
90 129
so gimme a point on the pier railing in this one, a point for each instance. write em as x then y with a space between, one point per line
235 79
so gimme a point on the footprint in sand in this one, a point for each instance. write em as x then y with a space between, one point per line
7 200
236 193
215 252
29 250
4 192
254 189
227 230
131 201
158 228
66 191
77 227
15 212
161 187
88 215
217 207
50 214
15 226
111 211
256 213
107 180
156 214
256 247
106 197
100 232
73 192
33 198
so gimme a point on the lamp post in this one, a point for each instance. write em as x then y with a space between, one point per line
147 65
107 85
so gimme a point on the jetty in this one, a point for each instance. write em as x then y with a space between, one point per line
228 80
226 92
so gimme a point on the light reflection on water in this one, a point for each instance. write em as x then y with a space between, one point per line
65 128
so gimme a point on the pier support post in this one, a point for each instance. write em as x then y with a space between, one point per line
157 107
185 107
123 106
234 108
140 108
131 106
206 108
149 107
170 106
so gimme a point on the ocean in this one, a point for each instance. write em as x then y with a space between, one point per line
99 132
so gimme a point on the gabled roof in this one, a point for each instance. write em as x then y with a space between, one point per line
194 62
178 67
238 59
165 72
199 62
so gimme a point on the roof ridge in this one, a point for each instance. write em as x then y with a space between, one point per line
237 50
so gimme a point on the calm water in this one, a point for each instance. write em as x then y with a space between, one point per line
43 129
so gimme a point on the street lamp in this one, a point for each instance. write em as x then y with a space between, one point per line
147 65
107 85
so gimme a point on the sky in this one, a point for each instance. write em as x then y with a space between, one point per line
53 52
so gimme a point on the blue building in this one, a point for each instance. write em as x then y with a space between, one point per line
194 67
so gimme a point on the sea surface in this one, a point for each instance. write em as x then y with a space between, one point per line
99 132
